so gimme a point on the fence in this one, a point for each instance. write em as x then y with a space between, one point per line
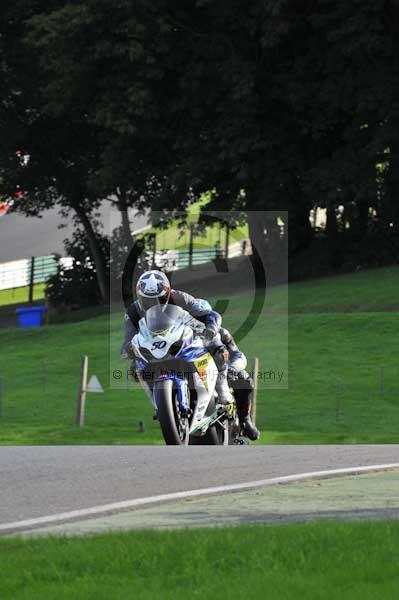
28 273
174 260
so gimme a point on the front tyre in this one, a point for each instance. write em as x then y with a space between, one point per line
173 422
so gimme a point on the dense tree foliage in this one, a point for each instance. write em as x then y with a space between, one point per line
77 286
281 106
63 152
296 103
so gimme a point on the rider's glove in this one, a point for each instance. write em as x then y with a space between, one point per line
210 331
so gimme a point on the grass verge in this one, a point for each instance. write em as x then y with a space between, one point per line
20 295
335 561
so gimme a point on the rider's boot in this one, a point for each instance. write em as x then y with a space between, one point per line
249 429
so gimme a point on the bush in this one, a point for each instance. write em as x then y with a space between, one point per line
76 287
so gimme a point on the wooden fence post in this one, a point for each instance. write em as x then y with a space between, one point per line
227 244
31 279
255 372
191 247
80 413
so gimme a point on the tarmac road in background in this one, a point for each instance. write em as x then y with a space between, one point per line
22 237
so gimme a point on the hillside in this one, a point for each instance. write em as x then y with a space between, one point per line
341 368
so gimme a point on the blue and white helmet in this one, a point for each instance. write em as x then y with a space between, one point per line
153 287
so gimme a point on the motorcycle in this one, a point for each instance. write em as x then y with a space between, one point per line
171 358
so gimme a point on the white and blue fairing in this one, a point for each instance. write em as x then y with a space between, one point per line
161 332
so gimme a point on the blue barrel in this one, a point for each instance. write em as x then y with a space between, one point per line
30 316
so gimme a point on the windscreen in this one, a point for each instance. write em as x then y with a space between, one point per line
161 318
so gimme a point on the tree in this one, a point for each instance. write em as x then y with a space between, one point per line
294 102
280 106
63 154
113 69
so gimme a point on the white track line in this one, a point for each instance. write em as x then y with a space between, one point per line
138 502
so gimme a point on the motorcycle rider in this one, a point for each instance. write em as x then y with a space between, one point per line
153 287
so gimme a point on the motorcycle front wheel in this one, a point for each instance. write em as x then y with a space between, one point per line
173 423
214 435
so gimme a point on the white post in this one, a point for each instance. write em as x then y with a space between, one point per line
255 372
80 414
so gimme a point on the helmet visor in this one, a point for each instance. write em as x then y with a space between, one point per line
161 318
146 303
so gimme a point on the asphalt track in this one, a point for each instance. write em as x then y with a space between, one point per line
46 480
23 237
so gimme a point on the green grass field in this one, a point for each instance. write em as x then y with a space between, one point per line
174 237
342 370
325 560
21 294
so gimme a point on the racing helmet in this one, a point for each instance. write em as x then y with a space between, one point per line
153 287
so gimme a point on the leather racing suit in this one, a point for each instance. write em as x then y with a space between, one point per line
201 311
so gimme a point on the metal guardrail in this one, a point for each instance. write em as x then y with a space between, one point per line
27 272
43 268
36 270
